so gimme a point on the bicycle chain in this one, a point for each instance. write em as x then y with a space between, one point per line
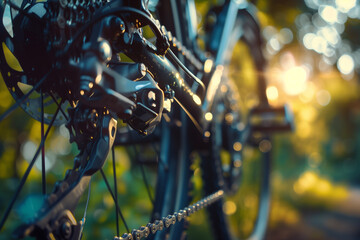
166 222
182 49
78 12
177 45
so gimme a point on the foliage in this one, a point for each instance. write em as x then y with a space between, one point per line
313 166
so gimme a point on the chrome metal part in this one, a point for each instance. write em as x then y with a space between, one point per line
166 222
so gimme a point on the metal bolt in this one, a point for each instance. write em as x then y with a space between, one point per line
105 50
66 230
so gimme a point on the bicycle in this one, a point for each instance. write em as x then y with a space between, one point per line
103 61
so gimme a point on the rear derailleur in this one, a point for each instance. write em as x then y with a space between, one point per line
94 132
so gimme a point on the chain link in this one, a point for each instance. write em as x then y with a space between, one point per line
182 49
166 222
179 47
80 12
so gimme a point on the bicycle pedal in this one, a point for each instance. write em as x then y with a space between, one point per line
271 119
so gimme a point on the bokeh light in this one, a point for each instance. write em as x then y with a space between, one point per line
285 36
345 5
330 34
309 93
272 93
328 13
323 97
28 151
294 80
229 207
346 64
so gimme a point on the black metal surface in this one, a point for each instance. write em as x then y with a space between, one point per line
84 40
165 74
61 203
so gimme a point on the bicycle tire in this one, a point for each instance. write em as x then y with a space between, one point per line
173 182
213 174
178 140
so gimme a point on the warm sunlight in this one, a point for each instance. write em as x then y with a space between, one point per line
295 80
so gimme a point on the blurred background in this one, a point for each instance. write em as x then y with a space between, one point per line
314 52
313 49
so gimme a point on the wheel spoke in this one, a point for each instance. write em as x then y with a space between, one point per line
21 10
116 203
158 158
23 98
43 147
27 172
86 207
144 177
59 106
115 189
146 183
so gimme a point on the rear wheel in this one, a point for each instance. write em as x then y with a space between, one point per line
166 179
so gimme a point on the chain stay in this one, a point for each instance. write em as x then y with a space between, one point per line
166 222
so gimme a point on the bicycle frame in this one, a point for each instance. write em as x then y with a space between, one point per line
195 105
162 68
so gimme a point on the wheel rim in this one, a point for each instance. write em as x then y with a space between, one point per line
244 214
